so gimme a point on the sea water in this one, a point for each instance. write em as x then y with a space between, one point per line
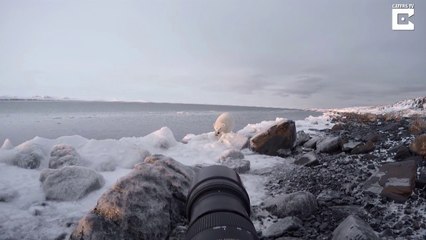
24 120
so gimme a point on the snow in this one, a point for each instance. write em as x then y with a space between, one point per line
27 215
406 108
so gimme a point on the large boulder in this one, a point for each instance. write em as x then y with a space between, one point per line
63 155
70 182
354 228
418 146
330 145
300 204
146 204
312 143
28 156
301 138
280 136
393 180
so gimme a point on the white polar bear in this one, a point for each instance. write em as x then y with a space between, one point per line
224 124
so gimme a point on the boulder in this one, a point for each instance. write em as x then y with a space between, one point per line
301 138
238 165
402 153
70 183
280 136
231 154
364 148
354 228
421 180
329 145
281 226
146 204
337 127
418 126
393 180
347 147
418 146
312 143
299 204
63 155
307 159
29 157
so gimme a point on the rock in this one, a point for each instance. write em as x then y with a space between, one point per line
301 138
327 195
7 144
393 180
148 203
234 140
364 148
307 159
421 180
299 204
402 153
347 147
418 146
280 136
28 156
354 228
371 137
63 155
342 212
231 154
312 143
418 126
330 145
283 225
70 183
7 194
337 127
238 165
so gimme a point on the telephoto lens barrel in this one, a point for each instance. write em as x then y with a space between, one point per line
218 206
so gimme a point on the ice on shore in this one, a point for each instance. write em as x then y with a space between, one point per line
25 213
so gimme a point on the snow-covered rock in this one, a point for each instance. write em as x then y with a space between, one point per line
63 155
7 194
70 182
28 156
146 204
238 165
231 154
234 140
163 138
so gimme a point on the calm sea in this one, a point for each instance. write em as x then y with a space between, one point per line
23 120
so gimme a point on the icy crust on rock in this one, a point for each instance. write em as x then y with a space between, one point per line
26 214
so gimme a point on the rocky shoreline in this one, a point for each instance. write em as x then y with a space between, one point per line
362 179
339 179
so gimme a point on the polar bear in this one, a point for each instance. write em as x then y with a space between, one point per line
224 124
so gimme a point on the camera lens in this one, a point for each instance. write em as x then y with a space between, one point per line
218 206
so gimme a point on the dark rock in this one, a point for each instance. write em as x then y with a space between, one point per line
63 155
344 211
284 153
308 159
312 143
337 127
146 204
364 148
300 204
418 146
330 145
354 228
421 180
393 180
280 136
371 137
301 138
402 153
238 165
282 226
70 183
327 196
347 147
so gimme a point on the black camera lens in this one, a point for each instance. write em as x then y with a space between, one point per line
218 206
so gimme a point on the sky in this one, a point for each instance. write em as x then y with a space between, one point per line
274 53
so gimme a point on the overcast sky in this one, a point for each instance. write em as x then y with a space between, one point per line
296 54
